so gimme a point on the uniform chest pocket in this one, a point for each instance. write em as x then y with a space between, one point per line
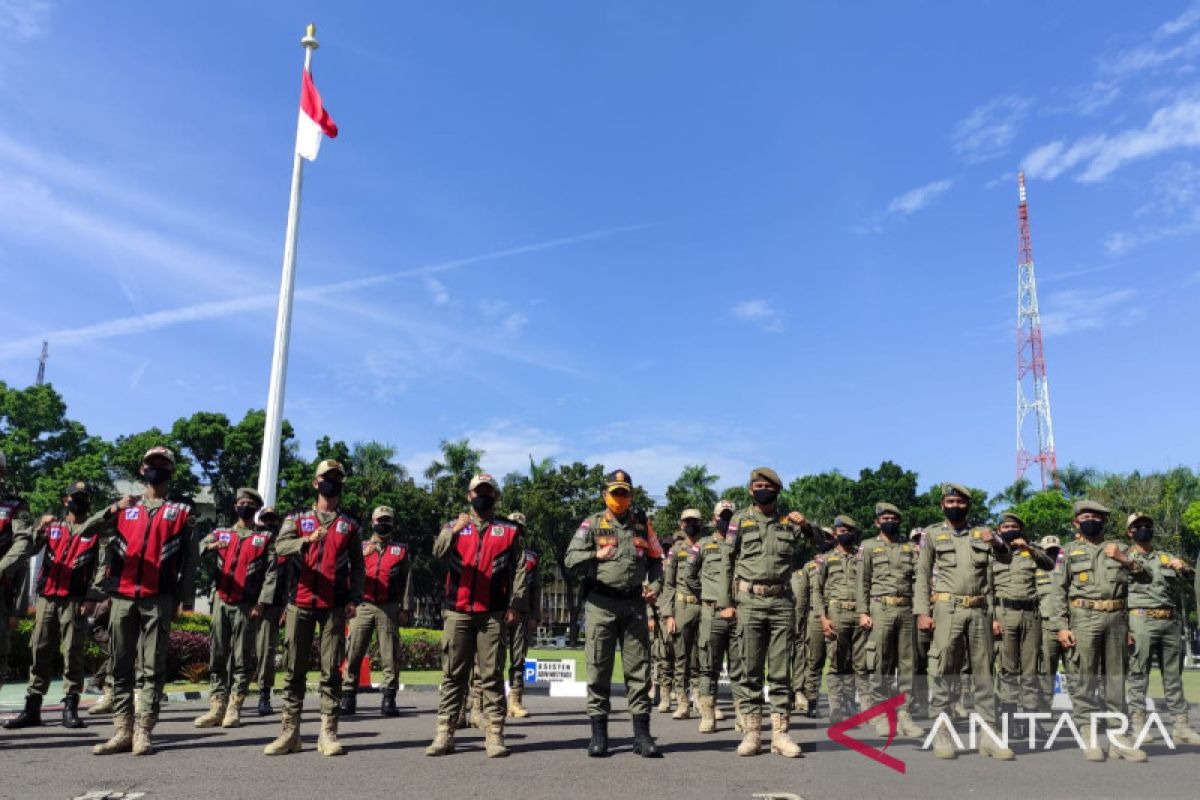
980 553
783 541
752 541
946 556
1115 573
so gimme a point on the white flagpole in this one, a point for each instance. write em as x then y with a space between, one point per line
273 430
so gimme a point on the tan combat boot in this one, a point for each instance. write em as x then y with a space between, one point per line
718 714
708 719
881 726
493 739
289 737
327 741
1120 746
142 745
682 706
122 738
993 749
739 724
781 742
752 735
233 712
664 698
216 712
1182 733
443 740
943 745
477 720
105 704
1089 752
907 726
515 709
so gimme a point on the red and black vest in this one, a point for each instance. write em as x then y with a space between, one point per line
9 509
68 563
321 573
386 572
149 550
241 565
481 568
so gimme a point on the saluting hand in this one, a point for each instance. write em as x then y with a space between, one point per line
606 553
986 536
461 522
796 518
45 521
128 501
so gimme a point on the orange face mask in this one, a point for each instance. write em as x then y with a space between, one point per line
617 505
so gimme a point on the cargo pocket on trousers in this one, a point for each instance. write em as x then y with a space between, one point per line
934 668
872 655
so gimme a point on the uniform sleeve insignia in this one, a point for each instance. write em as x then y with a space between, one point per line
1083 577
171 512
257 541
308 525
396 550
342 527
224 536
132 513
1025 554
1164 559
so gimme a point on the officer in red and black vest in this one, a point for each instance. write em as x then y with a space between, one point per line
66 598
266 639
241 557
324 548
517 641
151 565
16 545
485 590
387 601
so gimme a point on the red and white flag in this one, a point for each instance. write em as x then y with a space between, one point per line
314 121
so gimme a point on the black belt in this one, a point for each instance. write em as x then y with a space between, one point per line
617 594
1019 605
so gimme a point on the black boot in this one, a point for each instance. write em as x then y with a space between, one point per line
812 712
643 742
264 703
598 746
32 715
387 706
70 712
349 703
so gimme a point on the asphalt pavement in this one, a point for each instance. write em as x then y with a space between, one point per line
385 759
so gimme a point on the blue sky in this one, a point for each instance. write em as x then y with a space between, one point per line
641 234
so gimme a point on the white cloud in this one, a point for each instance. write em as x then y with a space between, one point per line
1121 242
437 291
759 312
914 200
514 322
24 19
506 445
987 131
1170 128
1077 310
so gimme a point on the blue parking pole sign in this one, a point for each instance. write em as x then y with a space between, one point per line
530 670
1058 687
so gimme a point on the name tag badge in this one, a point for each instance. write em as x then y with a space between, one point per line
132 513
55 535
342 527
171 513
257 541
396 550
308 525
224 536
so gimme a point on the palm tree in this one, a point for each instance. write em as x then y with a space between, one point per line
1020 491
459 463
373 464
1074 481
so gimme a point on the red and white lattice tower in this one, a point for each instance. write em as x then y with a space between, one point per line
1033 392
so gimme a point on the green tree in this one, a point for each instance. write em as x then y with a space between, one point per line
1075 481
692 489
1013 495
1045 513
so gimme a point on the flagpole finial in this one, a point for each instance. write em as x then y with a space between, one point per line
310 37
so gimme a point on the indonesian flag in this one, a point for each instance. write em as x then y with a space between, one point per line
314 120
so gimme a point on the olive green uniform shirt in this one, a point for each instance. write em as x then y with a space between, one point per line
1088 574
1165 584
963 564
886 568
763 547
637 563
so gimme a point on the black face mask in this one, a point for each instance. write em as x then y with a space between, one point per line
765 497
245 513
383 531
483 503
1009 536
692 530
1091 528
890 528
723 525
825 545
329 488
956 514
1143 534
847 539
79 508
153 476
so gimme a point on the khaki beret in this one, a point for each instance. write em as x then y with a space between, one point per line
382 511
1009 516
950 489
329 465
518 518
1136 516
481 479
1081 506
77 487
766 474
162 452
886 508
722 506
246 491
690 513
1049 541
845 521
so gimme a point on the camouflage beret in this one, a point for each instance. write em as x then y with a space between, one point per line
845 521
1081 506
1137 516
77 487
951 489
1049 541
159 450
247 492
329 465
481 479
690 513
722 506
1009 516
886 508
382 511
766 474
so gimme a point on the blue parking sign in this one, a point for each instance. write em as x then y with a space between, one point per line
530 670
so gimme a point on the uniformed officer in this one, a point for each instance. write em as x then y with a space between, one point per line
886 575
518 634
961 615
837 589
1017 619
1156 625
920 704
66 598
764 543
680 608
387 602
16 545
323 548
718 627
486 589
815 647
662 650
622 564
266 638
1051 651
151 566
240 558
1088 608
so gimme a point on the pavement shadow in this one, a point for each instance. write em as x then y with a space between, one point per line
557 744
